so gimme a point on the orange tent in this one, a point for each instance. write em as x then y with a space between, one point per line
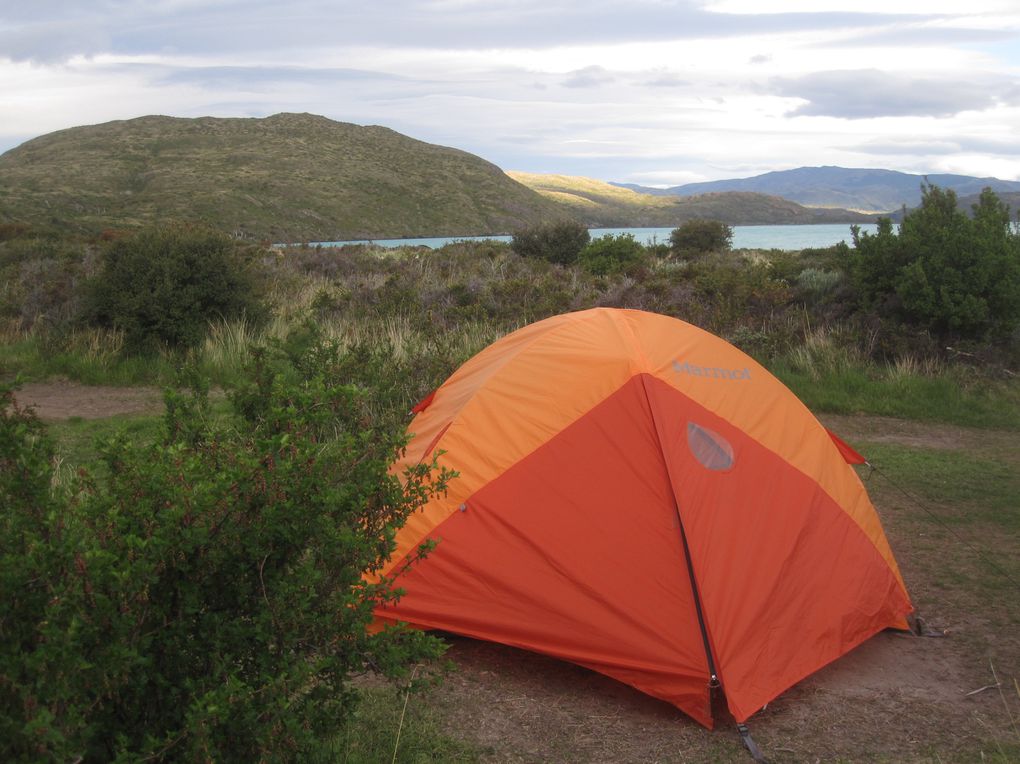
637 496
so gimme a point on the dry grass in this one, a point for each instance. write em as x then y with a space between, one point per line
824 352
912 366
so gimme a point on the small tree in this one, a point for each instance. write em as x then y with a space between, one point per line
952 273
558 242
696 237
611 254
164 285
204 597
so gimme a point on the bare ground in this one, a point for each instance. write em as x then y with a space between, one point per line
897 698
63 400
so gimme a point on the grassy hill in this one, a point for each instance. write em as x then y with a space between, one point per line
599 204
289 177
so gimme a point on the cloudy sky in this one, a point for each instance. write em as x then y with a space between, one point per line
659 92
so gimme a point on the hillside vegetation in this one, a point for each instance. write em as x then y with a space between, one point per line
289 177
598 204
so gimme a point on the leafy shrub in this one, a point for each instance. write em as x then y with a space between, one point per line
696 237
202 598
836 257
816 282
36 554
761 345
738 289
163 286
658 249
611 254
954 274
559 242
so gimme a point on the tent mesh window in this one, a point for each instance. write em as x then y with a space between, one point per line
710 448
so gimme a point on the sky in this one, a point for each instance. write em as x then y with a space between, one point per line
655 92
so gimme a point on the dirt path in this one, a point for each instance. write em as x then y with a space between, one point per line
63 400
878 429
896 698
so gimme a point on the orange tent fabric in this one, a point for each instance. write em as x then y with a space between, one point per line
637 496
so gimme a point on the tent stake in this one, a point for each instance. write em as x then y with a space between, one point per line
750 745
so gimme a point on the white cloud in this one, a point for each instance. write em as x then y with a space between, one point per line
666 178
871 93
920 7
634 90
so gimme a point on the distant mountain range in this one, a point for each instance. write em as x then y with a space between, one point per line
853 189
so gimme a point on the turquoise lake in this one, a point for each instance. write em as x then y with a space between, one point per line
790 237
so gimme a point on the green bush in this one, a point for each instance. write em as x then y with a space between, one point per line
739 290
202 597
164 285
954 274
696 237
611 254
559 242
36 557
817 282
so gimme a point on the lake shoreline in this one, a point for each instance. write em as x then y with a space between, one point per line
788 237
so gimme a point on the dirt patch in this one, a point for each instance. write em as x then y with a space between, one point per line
63 400
902 432
895 698
524 707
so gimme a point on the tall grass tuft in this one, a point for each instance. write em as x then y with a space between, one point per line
825 352
11 332
101 346
908 366
227 347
